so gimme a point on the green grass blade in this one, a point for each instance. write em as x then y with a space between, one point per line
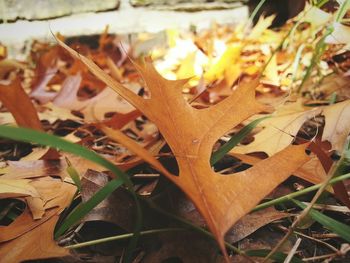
289 197
342 10
84 208
73 174
277 257
253 15
236 139
328 222
319 50
123 236
321 3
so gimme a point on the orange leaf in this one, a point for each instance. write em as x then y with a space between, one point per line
191 134
35 244
27 238
18 103
135 148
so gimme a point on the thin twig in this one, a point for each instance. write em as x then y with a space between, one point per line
317 240
321 257
292 251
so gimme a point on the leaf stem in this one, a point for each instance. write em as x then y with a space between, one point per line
121 237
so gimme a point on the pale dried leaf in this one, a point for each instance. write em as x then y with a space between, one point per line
279 131
337 126
16 188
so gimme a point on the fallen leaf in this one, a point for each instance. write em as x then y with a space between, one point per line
23 224
117 208
33 169
27 238
340 35
51 113
228 58
263 24
36 207
13 95
252 222
16 188
54 192
279 130
119 120
271 72
311 171
94 109
337 126
191 134
315 16
35 244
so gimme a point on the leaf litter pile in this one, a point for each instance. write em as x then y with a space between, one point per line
224 145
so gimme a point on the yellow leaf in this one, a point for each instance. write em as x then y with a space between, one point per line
186 69
16 188
263 24
228 58
271 72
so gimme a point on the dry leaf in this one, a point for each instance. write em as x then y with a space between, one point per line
18 103
263 24
252 222
94 109
337 127
279 130
27 238
312 171
35 244
191 134
33 169
117 208
23 224
36 207
271 72
228 58
16 188
340 35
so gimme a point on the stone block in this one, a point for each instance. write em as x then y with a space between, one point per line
11 10
181 5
